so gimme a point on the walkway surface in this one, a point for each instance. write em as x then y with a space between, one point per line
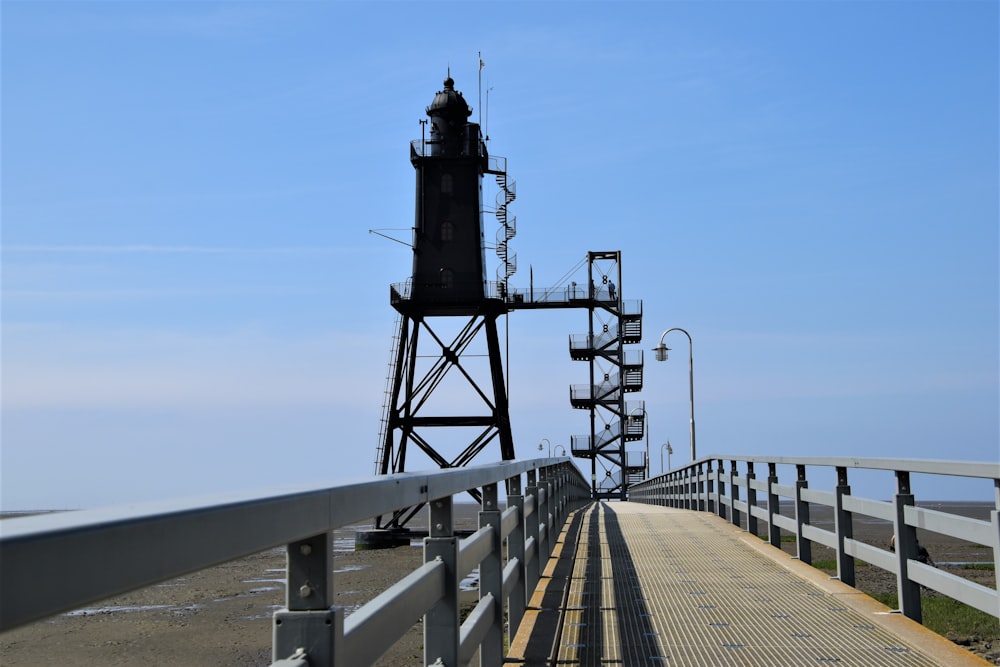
633 584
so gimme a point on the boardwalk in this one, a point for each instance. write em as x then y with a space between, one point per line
633 584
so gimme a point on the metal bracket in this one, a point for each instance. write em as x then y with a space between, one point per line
318 634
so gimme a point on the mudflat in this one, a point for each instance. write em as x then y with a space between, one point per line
222 615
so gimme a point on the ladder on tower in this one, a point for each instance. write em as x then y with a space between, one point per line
387 400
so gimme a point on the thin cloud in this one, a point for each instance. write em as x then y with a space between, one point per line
114 294
226 21
46 367
174 249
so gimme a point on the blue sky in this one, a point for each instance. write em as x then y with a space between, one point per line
192 301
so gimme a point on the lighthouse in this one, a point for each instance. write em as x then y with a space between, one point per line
449 266
448 310
446 393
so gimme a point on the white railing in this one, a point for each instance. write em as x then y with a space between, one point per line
81 557
729 486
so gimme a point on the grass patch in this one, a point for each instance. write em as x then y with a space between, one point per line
979 566
951 618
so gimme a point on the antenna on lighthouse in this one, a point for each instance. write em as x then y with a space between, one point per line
481 66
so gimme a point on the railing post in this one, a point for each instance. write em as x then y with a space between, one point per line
557 478
844 528
308 622
751 500
702 490
551 509
543 504
906 549
532 567
680 488
562 497
709 487
691 487
515 550
773 532
491 579
995 519
803 546
720 489
441 623
734 493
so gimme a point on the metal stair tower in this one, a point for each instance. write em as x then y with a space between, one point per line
615 372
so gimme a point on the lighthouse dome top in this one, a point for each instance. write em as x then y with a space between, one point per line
449 103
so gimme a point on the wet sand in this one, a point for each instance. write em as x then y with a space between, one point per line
223 615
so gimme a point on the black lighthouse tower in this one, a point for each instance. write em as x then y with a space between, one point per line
449 272
448 311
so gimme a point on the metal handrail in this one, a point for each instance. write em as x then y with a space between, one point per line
90 555
717 484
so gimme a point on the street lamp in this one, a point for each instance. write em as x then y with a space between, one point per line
546 441
670 450
558 447
645 426
661 351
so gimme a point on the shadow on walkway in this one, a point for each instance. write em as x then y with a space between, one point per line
638 639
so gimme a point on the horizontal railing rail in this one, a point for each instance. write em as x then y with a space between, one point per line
729 486
90 555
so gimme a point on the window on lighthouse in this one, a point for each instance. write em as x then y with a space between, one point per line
446 183
447 230
447 278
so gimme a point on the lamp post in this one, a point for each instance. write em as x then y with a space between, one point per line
546 441
645 427
661 355
670 450
563 448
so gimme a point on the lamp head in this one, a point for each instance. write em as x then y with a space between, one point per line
661 351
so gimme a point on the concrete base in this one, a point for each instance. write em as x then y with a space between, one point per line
382 538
